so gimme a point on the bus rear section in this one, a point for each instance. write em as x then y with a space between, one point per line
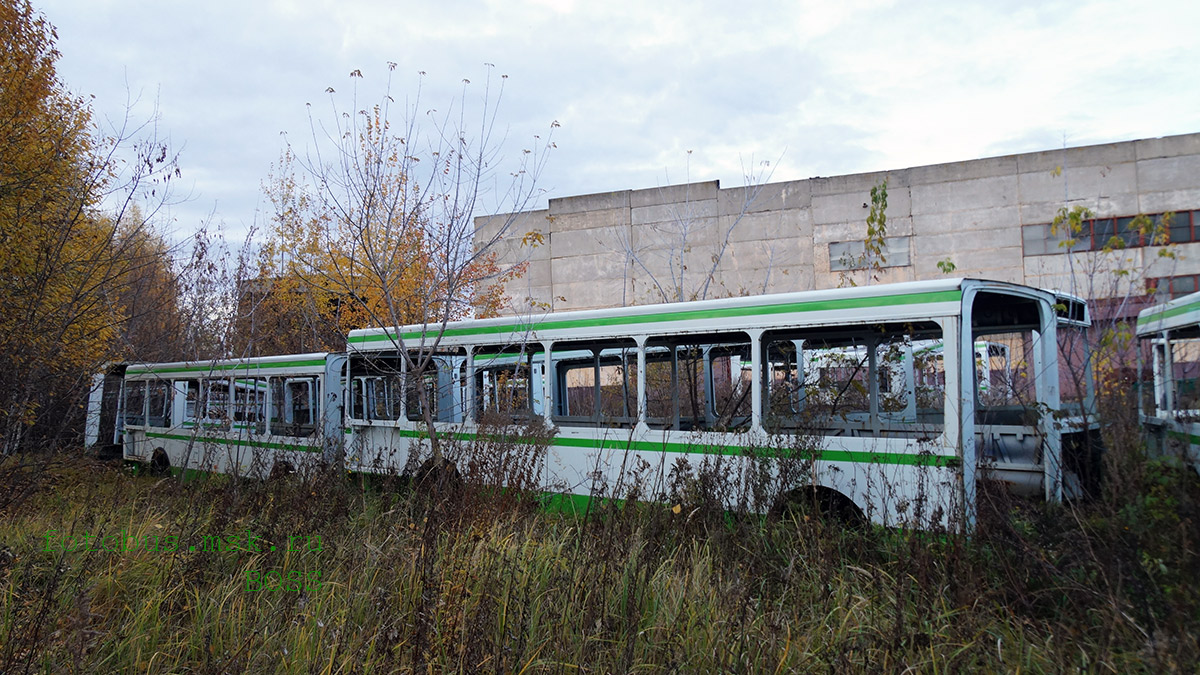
102 424
1169 378
246 417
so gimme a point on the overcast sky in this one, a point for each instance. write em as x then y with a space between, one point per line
822 88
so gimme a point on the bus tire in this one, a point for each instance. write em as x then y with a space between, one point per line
281 470
438 477
160 464
820 502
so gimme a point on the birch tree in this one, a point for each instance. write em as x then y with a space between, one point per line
668 255
379 214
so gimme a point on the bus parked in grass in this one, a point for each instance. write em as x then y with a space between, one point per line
1170 402
887 401
245 417
647 386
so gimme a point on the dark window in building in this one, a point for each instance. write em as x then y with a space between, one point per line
1102 232
1169 288
1129 235
1180 227
1119 232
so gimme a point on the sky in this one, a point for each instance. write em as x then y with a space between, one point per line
645 94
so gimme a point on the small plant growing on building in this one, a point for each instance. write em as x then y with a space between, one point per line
873 257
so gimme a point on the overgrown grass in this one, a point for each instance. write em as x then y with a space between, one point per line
468 580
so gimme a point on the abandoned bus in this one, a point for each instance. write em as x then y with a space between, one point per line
1169 405
880 391
245 417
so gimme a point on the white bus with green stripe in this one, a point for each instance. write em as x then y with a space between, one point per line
1169 405
248 417
646 386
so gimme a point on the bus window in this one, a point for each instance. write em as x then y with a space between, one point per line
191 401
837 382
595 383
703 384
215 403
278 403
883 380
689 384
423 387
383 395
502 392
395 392
358 398
250 399
929 376
1185 375
784 395
376 398
161 394
135 403
302 406
729 379
294 406
618 386
576 399
1005 377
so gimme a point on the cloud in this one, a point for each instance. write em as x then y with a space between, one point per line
833 87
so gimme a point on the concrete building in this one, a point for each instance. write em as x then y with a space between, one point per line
988 217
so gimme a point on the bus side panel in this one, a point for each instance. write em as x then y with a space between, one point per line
898 482
384 448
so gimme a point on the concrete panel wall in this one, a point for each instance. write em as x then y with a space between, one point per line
611 248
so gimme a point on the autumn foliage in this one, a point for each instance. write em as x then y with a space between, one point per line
373 256
367 234
64 291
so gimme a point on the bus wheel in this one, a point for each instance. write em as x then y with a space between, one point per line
281 470
823 503
159 464
438 477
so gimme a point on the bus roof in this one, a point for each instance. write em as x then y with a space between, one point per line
1177 314
905 301
297 363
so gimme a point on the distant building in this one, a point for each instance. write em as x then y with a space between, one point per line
988 217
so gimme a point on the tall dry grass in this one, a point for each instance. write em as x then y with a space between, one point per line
449 575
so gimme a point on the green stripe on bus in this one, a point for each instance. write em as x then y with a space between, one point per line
858 456
148 370
235 441
1169 313
257 384
1183 436
684 315
570 504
